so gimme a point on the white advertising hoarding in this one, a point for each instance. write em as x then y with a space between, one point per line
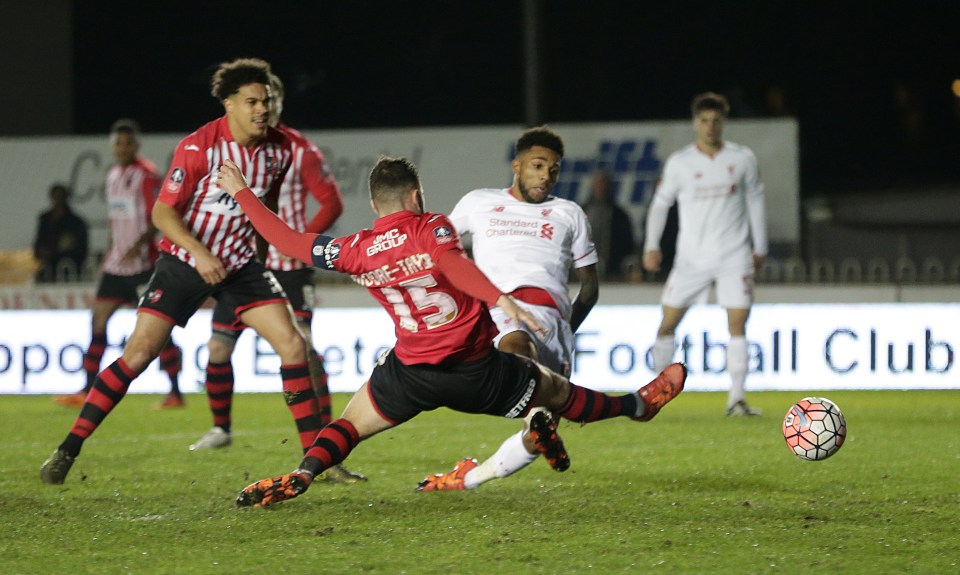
792 347
452 161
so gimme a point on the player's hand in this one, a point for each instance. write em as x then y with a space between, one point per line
210 267
758 262
230 178
520 315
652 260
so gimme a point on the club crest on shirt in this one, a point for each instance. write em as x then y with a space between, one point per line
546 231
546 212
270 163
176 178
443 234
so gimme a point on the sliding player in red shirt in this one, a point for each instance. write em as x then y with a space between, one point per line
414 265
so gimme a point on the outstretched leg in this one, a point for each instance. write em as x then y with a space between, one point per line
332 445
109 387
581 405
539 436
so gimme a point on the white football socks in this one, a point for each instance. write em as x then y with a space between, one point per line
663 349
510 458
737 360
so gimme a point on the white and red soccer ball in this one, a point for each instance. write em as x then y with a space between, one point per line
814 428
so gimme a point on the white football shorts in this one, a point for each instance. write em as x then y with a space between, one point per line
555 349
689 282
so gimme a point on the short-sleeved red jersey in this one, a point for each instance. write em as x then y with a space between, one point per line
208 212
435 322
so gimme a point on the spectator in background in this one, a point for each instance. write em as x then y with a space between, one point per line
778 102
611 227
61 242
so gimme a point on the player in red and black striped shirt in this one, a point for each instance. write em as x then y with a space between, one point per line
131 190
414 265
208 251
309 177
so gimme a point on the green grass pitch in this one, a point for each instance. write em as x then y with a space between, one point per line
690 492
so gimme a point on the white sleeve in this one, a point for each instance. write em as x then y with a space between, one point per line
582 249
666 195
756 209
460 216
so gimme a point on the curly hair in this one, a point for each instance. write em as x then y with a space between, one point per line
230 76
540 136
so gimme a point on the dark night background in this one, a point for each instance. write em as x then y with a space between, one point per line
870 82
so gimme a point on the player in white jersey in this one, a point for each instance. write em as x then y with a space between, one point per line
526 241
722 238
130 189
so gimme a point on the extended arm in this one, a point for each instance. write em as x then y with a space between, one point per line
273 229
467 277
268 224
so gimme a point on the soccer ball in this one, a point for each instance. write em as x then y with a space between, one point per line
814 428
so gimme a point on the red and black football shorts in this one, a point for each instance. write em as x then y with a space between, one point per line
501 384
297 286
225 322
176 291
122 289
